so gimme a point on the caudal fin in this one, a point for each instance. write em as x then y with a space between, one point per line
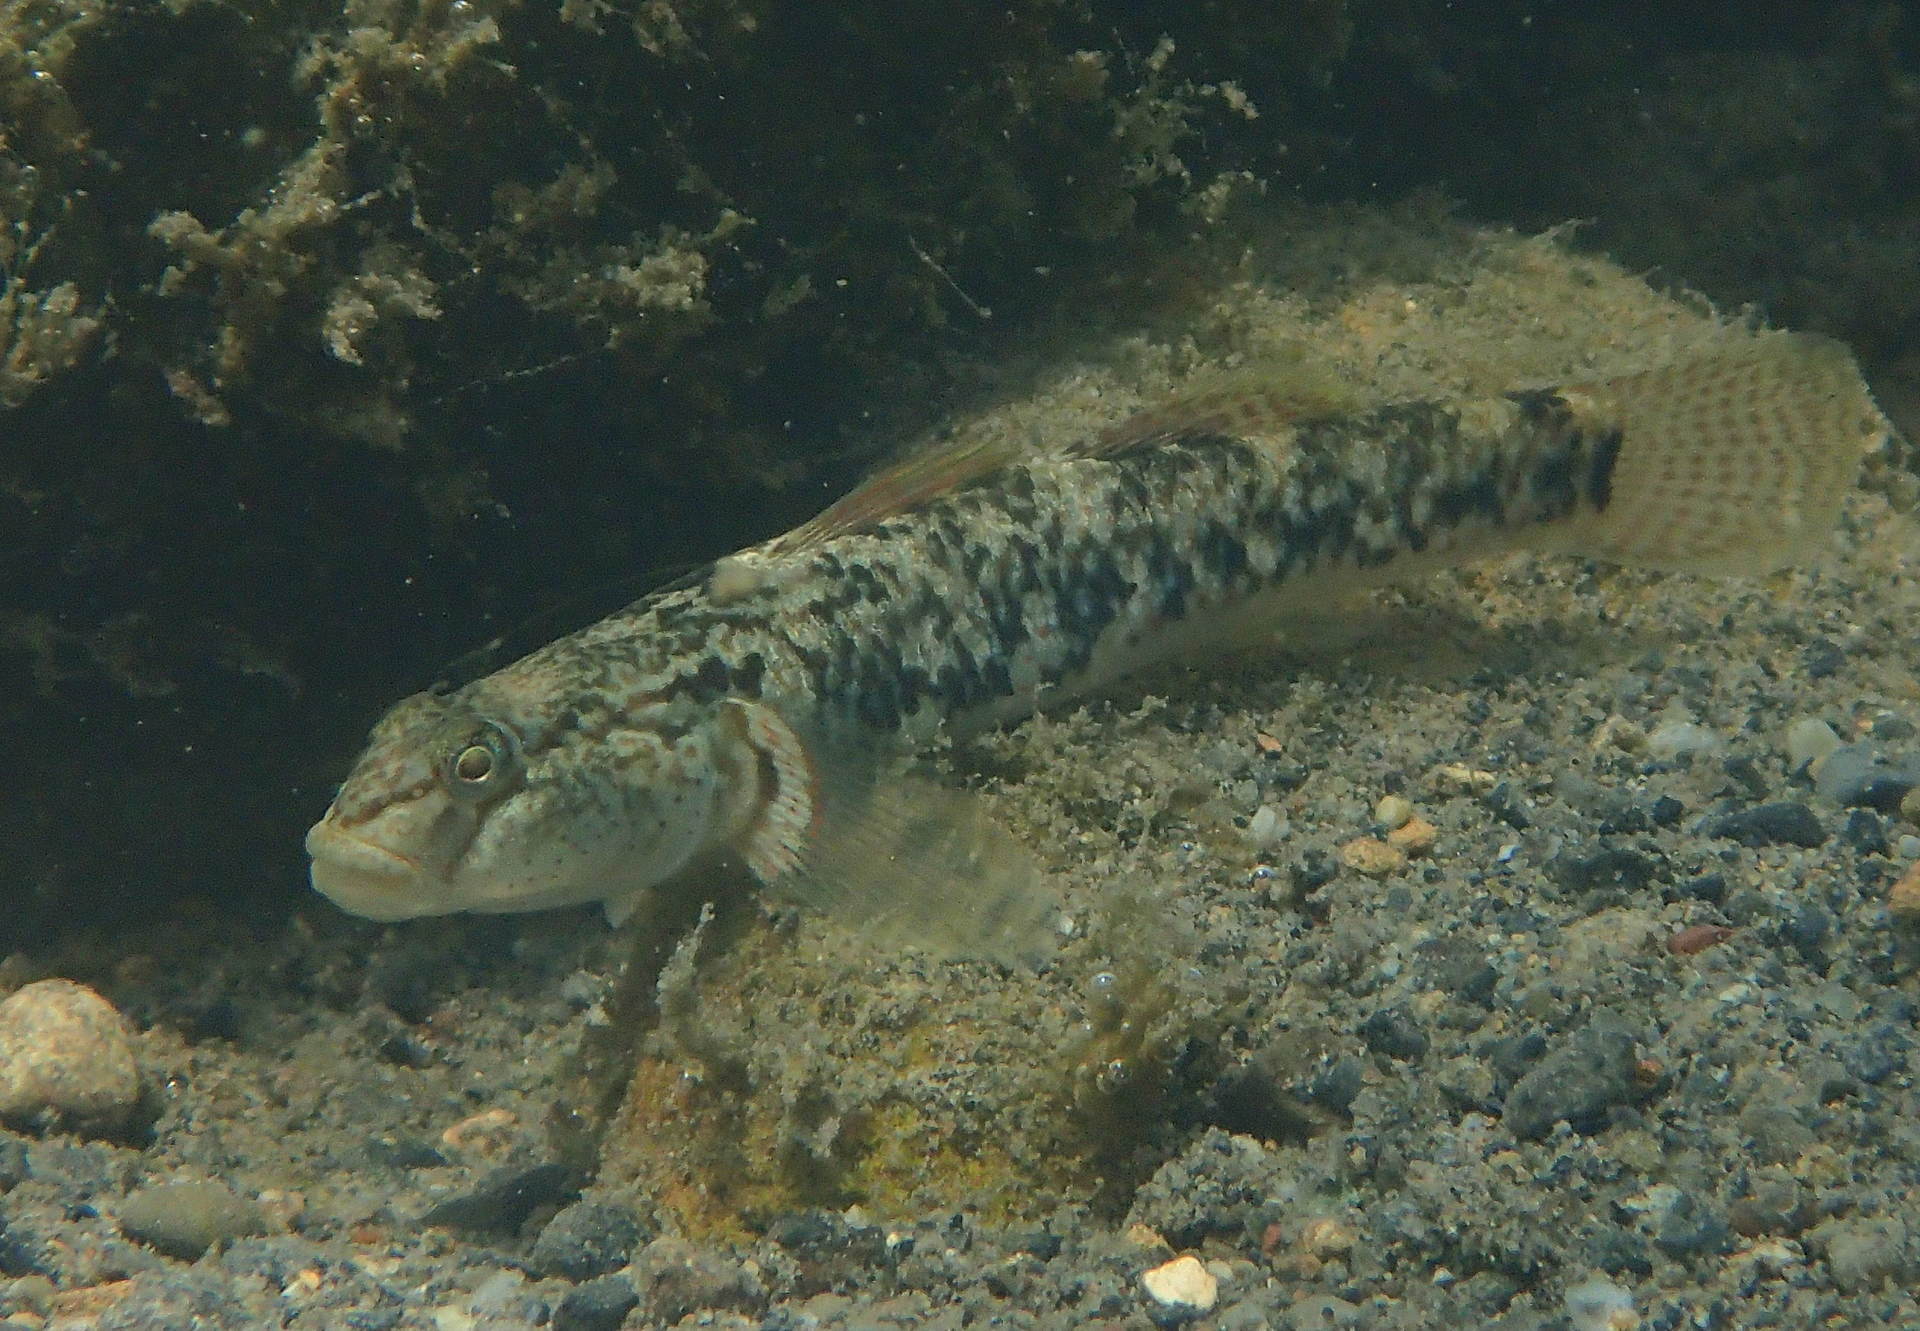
1731 461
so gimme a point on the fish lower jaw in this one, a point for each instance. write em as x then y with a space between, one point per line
366 879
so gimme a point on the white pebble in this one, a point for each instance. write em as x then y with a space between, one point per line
1678 735
1182 1283
1808 740
1267 827
1910 847
1600 1305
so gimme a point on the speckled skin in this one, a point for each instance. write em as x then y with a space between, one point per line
609 760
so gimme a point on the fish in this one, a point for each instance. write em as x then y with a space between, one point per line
764 711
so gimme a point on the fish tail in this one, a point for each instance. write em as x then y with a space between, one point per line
1732 461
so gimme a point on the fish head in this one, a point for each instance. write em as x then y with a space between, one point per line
475 801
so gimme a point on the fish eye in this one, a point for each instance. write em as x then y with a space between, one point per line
482 764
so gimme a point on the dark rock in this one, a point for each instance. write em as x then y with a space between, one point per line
600 1304
1822 658
1393 1031
1781 823
1618 1252
1666 811
1747 775
1311 872
1508 806
1881 1051
1807 931
502 1200
1609 866
1513 1055
13 1163
1865 832
1579 1081
1689 1228
1708 887
585 1240
1336 1088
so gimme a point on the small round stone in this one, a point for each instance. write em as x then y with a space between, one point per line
66 1060
185 1217
1392 811
1183 1284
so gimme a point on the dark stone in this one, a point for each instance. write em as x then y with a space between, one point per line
1781 823
502 1200
1708 887
1312 871
1579 1081
1880 1052
13 1163
1336 1088
1043 1244
600 1304
1666 811
1393 1031
405 1153
1691 1229
1821 658
1512 1056
1607 867
1807 931
1746 774
1865 832
585 1240
1508 806
1618 1252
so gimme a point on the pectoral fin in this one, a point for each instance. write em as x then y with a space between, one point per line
897 858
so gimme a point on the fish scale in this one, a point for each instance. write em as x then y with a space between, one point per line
758 713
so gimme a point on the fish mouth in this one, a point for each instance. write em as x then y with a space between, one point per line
365 878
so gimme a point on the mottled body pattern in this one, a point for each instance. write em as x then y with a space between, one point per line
707 719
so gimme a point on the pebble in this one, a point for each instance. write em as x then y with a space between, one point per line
1372 857
1808 740
1415 836
1392 811
1600 1305
1182 1284
503 1198
585 1240
601 1304
1780 823
1865 1253
66 1060
1579 1081
1677 737
1903 898
1268 827
1910 805
183 1218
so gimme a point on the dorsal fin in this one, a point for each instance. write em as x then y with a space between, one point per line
900 488
1252 399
